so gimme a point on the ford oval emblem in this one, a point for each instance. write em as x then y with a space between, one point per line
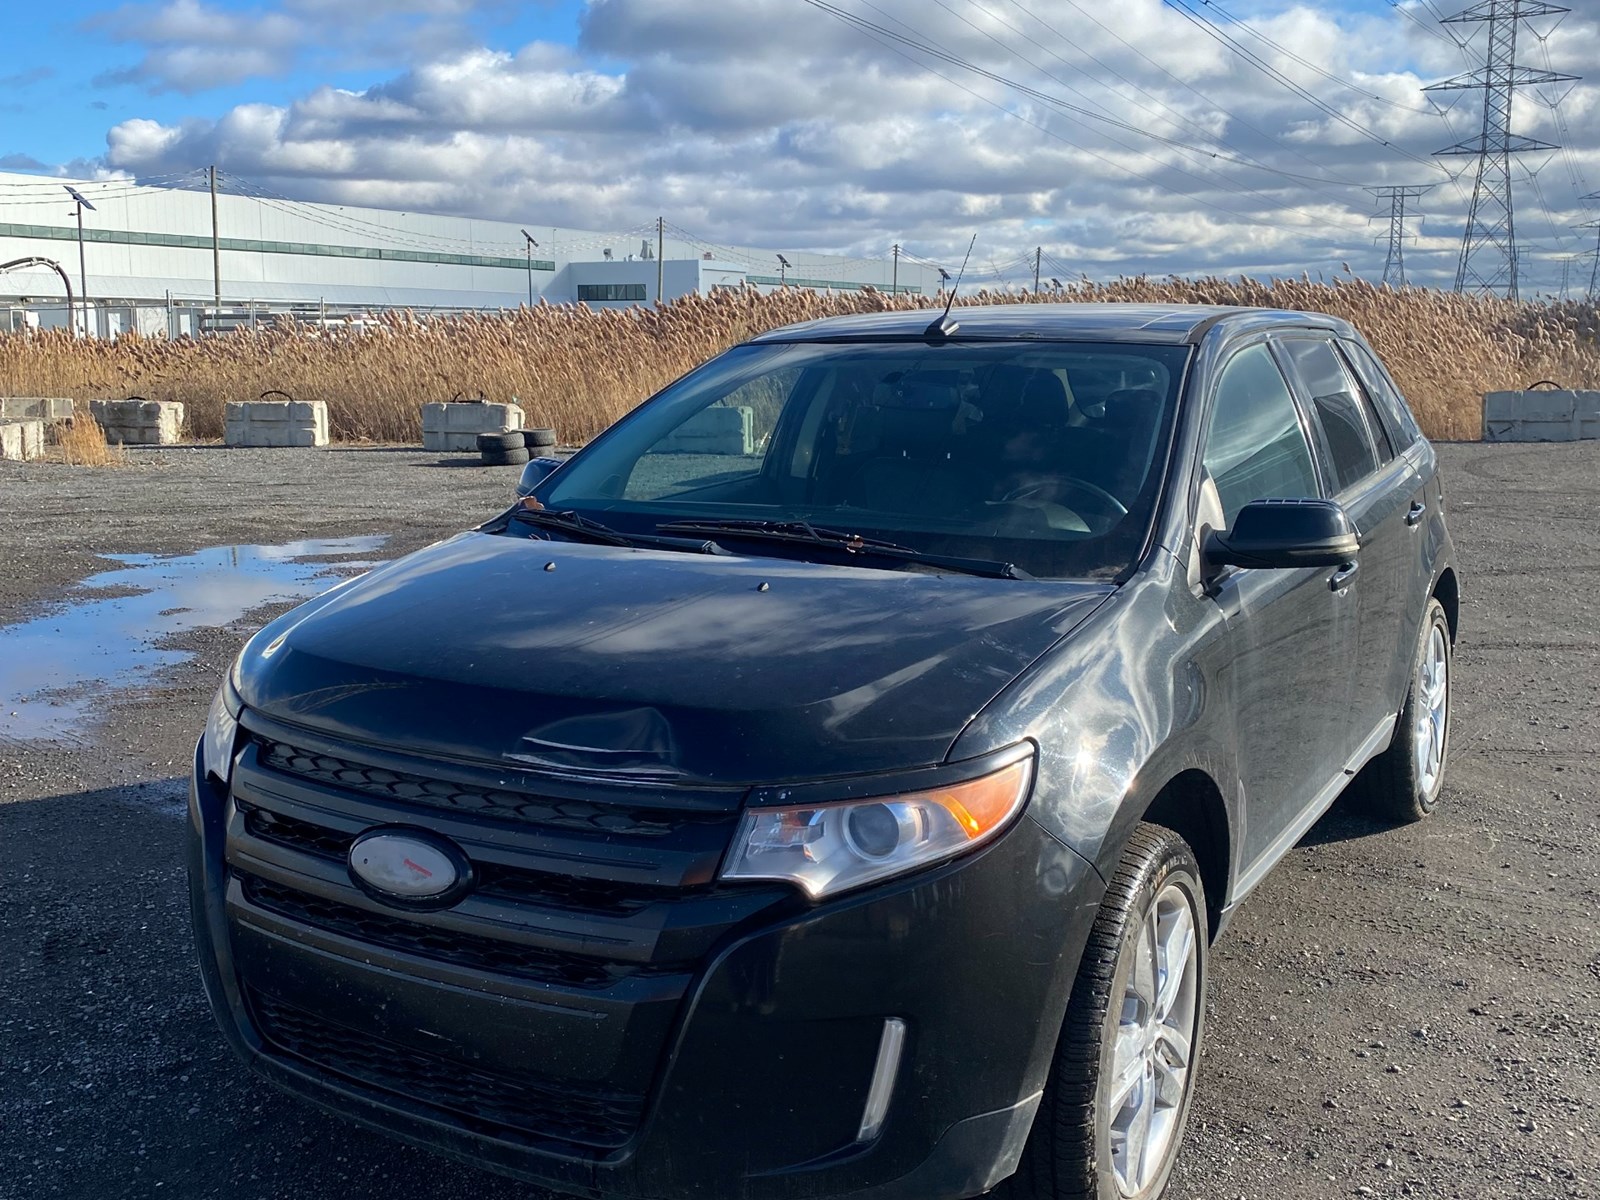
409 867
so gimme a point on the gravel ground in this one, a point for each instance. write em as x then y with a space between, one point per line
1395 1012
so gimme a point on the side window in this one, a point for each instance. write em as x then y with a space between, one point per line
1402 424
1255 449
1351 451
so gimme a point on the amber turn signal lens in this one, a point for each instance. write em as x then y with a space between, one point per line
981 805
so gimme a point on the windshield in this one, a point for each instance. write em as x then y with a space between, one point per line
1046 455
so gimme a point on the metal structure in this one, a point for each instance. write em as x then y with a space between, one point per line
20 264
1489 246
531 247
83 270
1394 266
1594 271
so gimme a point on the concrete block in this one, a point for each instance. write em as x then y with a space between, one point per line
453 427
1541 415
275 423
139 422
44 408
21 440
714 430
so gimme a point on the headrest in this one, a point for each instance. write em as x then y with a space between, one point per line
1131 407
1044 402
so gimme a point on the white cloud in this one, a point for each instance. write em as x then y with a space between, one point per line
770 122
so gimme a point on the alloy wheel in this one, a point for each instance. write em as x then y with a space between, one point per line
1432 710
1153 1050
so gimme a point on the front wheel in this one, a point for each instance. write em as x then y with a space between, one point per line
1117 1100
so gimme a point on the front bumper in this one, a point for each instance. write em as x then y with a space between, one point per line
767 1055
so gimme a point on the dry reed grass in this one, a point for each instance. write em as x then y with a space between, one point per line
579 369
83 444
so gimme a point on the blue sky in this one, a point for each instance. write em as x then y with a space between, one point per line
1128 137
59 94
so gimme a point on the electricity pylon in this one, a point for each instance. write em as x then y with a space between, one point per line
1489 246
1594 271
1394 266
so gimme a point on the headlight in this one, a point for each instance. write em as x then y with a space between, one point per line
831 848
222 727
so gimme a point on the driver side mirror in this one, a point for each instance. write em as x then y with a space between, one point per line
535 473
1280 534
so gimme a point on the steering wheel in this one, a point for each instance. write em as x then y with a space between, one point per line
1033 490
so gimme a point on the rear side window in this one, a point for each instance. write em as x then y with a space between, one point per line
1255 448
1337 401
1402 424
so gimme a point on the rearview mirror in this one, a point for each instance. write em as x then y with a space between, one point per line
1277 534
535 473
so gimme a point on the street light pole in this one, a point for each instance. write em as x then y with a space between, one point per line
532 246
83 275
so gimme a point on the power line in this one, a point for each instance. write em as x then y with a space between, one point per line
1219 179
1364 93
934 49
1194 127
873 30
1182 83
1210 29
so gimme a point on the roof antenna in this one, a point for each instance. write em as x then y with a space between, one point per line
944 326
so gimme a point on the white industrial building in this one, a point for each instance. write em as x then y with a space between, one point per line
152 260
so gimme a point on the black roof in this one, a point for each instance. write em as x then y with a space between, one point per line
1168 323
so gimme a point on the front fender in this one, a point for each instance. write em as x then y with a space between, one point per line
1119 709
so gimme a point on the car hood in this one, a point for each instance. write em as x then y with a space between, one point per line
653 665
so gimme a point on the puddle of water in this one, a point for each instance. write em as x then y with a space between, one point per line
57 669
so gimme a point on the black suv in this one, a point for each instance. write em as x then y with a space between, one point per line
829 781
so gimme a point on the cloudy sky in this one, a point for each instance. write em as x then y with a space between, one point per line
1133 136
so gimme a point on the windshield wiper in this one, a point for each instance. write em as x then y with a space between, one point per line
805 533
583 528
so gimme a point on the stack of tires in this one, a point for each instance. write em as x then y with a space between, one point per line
514 448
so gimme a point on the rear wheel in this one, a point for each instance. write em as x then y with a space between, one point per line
1117 1100
1403 783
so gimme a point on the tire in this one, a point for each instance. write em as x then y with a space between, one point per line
1400 785
538 438
504 458
1078 1147
500 441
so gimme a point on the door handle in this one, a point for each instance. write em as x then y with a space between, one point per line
1415 513
1341 578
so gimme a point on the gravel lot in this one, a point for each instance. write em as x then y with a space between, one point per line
1395 1012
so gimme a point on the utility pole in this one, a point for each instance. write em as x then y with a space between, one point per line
1038 253
531 247
661 242
1394 265
216 255
83 275
894 286
1489 246
783 271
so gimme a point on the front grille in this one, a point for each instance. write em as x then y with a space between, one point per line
460 949
550 811
530 887
563 1111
